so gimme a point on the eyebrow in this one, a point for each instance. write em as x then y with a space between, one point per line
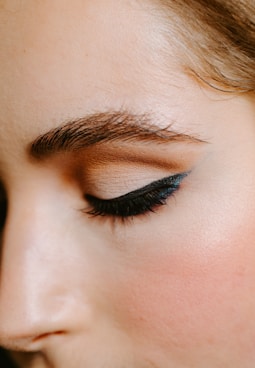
105 127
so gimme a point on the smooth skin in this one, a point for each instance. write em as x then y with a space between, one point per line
169 289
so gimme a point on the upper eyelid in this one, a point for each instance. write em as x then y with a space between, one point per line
140 191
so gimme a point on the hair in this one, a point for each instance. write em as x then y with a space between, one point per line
215 40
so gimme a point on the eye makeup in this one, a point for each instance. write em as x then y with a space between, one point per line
138 202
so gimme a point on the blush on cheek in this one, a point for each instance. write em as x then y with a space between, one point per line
185 302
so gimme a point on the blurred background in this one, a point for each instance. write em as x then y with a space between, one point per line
5 361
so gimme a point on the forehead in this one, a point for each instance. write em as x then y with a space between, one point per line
80 53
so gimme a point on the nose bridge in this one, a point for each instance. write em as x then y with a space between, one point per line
34 301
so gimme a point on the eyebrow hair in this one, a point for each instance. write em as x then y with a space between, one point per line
104 127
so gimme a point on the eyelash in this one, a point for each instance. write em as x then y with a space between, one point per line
137 202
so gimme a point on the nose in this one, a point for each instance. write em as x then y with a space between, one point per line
39 277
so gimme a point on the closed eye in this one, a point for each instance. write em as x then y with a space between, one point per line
138 202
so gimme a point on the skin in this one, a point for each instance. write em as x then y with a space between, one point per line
170 289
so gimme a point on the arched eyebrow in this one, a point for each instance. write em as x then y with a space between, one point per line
105 127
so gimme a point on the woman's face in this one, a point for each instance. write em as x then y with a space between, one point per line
90 276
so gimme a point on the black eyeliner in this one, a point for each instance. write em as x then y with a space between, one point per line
137 202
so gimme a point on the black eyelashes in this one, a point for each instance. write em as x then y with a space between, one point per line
137 202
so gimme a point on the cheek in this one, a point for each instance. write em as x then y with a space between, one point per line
199 297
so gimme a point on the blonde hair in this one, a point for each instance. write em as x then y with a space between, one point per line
216 40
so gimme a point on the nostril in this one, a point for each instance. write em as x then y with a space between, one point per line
30 344
47 335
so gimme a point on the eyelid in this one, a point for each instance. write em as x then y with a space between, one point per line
166 181
138 202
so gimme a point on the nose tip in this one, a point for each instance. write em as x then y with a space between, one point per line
39 302
32 308
31 320
35 311
28 329
31 329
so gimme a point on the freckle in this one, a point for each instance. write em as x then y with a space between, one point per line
210 341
